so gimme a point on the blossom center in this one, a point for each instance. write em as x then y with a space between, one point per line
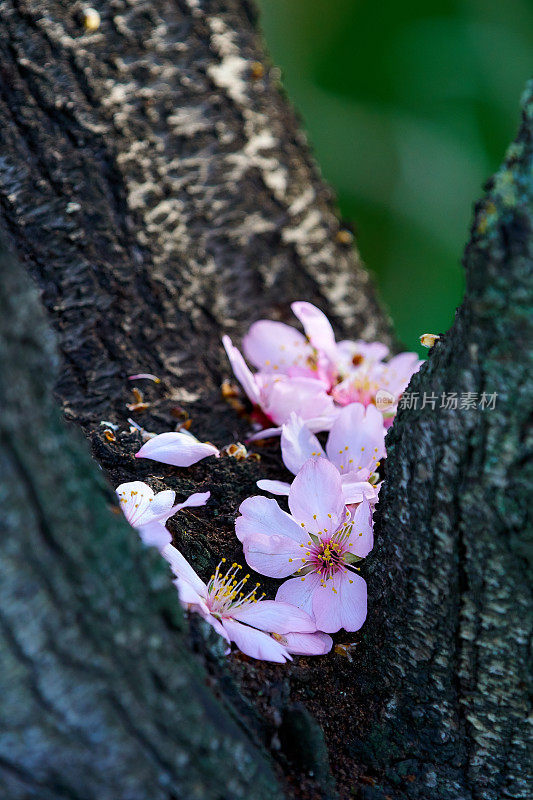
226 591
327 557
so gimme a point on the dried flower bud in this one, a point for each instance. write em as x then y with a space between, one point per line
428 339
91 20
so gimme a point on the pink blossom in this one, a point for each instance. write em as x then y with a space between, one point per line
363 383
274 347
277 395
355 445
148 512
321 536
240 616
179 448
299 373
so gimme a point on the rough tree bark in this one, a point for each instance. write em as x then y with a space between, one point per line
101 696
155 183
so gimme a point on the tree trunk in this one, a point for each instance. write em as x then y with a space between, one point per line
155 182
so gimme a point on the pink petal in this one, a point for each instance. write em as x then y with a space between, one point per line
326 605
255 643
307 644
341 603
308 397
316 498
313 423
354 601
299 592
262 515
371 351
182 569
273 346
355 491
357 438
267 433
241 371
274 556
362 535
177 448
316 326
193 501
398 372
298 444
275 617
274 487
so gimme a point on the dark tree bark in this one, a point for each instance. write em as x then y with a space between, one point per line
156 184
455 530
101 695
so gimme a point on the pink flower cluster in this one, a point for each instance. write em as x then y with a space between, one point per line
304 384
313 375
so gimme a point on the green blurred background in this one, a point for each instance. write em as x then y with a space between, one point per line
410 107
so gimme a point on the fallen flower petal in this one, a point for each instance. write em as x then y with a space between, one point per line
179 448
317 327
148 512
144 376
254 643
275 487
305 644
273 346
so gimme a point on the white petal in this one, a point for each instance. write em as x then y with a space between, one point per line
154 534
362 535
161 505
271 346
341 603
274 556
182 569
298 444
274 487
193 501
135 501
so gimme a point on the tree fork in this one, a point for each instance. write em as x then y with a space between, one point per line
156 184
